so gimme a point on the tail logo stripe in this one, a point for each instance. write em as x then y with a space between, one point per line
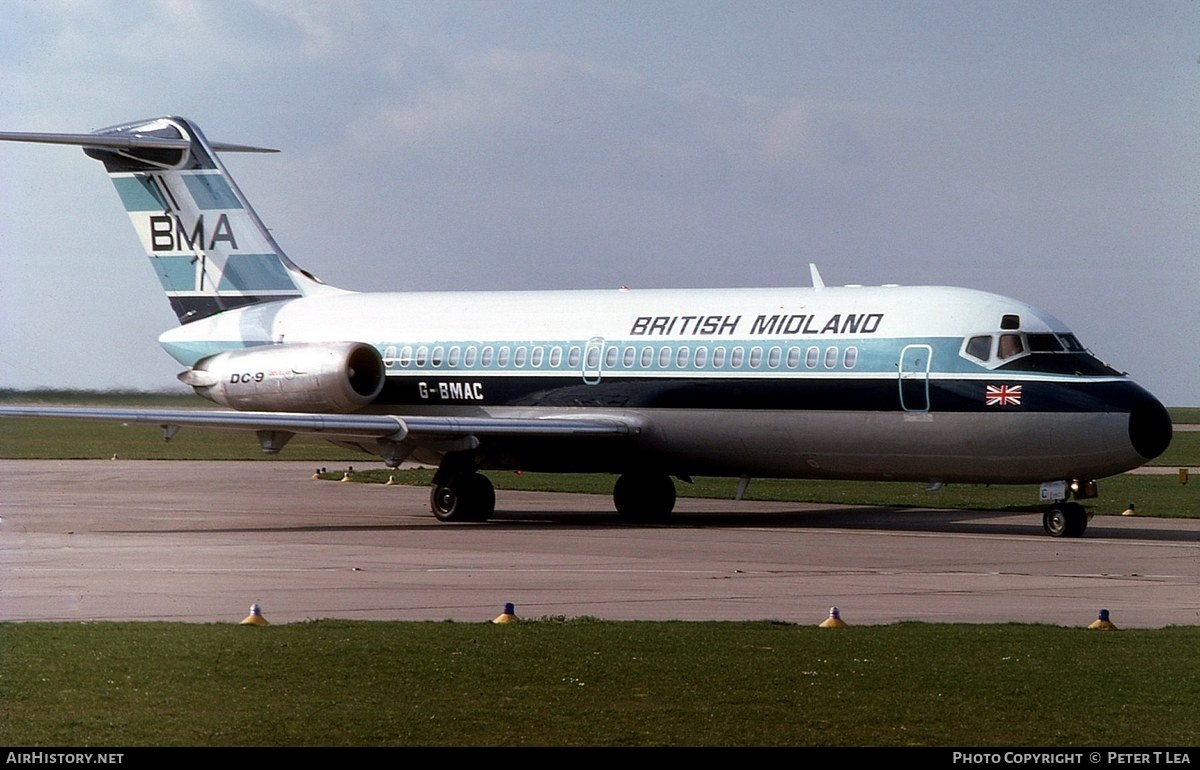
139 193
177 274
211 191
254 272
160 184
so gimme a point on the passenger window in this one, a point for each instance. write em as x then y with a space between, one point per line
503 357
520 356
793 359
389 356
593 357
773 357
681 358
630 356
610 356
438 354
455 356
406 355
831 357
573 356
701 356
647 356
664 357
811 357
555 356
850 358
486 358
469 358
718 357
736 357
422 355
756 357
539 353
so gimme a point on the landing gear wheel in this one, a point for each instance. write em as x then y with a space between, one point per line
1065 520
465 497
644 496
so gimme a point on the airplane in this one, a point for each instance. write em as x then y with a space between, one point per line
929 384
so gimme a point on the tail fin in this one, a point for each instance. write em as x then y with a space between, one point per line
209 249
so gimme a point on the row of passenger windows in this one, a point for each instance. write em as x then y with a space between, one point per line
618 357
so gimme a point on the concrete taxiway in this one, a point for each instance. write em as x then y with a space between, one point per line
202 541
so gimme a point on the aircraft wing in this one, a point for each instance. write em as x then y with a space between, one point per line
406 430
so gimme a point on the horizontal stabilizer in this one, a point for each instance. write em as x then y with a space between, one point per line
122 141
116 142
227 147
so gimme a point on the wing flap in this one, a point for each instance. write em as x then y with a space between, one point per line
413 429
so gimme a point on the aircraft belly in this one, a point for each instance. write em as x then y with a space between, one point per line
948 447
1026 448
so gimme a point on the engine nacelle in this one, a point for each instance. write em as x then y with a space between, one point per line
303 377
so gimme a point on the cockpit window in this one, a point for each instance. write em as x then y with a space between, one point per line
1071 343
1010 345
1044 343
980 347
1036 352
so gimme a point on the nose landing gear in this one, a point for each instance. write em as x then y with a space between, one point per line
1065 520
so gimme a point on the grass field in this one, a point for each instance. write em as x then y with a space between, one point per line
589 682
584 682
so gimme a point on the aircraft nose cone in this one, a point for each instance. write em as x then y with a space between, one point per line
1150 428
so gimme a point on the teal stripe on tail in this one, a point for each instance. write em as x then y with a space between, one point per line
209 249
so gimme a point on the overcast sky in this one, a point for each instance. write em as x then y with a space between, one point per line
1049 151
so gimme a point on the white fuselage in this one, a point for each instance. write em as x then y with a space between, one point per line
830 382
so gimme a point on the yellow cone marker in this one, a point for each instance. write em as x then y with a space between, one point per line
1130 511
255 618
1103 622
834 620
508 616
391 482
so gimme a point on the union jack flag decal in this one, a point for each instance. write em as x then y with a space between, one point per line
1002 395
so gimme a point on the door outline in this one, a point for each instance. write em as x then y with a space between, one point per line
915 361
593 361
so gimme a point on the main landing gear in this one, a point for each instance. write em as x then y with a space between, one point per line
644 496
462 496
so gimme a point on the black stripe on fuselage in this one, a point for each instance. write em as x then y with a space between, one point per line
438 389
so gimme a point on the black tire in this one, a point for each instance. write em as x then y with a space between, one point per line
644 496
467 497
1065 520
